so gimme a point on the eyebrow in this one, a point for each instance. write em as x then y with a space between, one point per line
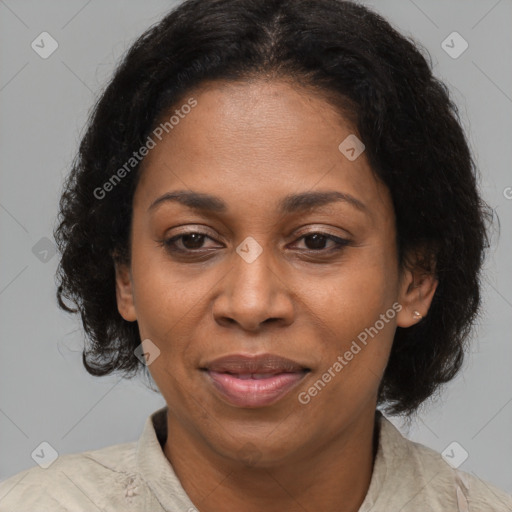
289 204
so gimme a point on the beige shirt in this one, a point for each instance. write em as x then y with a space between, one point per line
136 476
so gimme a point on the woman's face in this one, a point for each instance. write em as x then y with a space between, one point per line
295 258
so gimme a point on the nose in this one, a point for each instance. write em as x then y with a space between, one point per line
253 294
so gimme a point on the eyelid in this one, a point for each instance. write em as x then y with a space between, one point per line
339 243
321 229
297 233
169 240
194 229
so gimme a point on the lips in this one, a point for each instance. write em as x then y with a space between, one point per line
253 381
263 364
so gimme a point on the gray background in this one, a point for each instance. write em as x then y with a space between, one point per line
46 395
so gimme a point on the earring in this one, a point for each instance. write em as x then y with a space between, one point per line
417 314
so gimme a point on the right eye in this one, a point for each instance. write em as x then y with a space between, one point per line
186 242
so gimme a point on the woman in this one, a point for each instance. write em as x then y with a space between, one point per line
262 217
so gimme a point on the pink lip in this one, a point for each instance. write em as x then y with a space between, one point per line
254 392
254 380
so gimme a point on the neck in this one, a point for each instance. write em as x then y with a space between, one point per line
332 477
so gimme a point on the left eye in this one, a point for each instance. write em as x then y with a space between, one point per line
193 242
318 241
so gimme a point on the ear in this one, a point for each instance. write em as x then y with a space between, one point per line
417 287
124 292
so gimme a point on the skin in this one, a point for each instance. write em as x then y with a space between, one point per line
251 144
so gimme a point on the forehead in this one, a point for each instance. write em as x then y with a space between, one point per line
257 139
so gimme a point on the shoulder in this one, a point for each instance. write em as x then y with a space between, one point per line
416 474
471 492
73 479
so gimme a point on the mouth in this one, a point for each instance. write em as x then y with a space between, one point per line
253 381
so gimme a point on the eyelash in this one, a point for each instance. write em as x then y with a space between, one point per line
169 243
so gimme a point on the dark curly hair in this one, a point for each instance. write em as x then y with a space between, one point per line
379 78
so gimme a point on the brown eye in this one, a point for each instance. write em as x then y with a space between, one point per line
317 242
187 242
193 240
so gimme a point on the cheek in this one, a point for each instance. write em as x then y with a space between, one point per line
356 313
172 307
356 342
355 299
163 293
